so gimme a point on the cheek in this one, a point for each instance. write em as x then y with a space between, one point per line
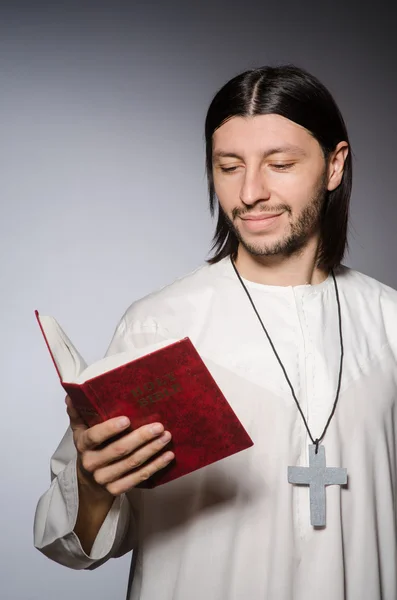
298 194
296 191
227 190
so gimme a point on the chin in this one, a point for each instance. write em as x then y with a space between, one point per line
258 249
274 246
264 244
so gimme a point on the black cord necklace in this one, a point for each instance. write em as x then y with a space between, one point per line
317 475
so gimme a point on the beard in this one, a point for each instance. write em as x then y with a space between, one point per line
305 225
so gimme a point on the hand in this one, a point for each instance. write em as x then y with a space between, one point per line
107 470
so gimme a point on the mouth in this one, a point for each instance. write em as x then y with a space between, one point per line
260 217
261 221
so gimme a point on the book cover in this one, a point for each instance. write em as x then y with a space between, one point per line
173 386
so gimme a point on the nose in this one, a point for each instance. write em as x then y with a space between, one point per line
254 188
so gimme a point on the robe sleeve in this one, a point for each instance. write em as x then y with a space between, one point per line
56 511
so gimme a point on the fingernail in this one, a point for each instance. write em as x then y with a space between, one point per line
168 457
123 422
165 437
156 428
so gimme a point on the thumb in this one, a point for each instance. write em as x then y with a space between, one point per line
76 422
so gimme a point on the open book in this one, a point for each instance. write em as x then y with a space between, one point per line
170 384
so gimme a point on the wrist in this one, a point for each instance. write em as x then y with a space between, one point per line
89 488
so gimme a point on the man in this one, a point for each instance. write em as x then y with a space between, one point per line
304 350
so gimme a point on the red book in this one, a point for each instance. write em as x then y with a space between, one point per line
170 385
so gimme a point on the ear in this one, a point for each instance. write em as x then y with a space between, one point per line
336 165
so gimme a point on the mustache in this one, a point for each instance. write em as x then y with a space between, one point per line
240 212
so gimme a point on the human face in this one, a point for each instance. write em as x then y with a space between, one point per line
271 179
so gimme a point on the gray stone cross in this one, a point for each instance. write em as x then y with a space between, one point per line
317 475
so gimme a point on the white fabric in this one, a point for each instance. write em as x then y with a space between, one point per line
237 530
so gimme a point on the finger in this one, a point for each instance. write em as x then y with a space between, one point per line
98 434
119 469
133 479
120 448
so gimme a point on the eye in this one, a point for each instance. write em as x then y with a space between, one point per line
282 166
228 169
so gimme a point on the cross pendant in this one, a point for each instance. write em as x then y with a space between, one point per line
317 475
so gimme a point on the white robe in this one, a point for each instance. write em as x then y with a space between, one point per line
237 530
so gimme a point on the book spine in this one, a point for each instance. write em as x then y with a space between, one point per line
97 400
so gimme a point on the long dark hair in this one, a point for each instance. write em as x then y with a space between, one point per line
297 95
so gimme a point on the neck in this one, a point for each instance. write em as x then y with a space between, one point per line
299 269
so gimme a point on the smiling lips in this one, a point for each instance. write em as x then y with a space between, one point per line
261 221
260 217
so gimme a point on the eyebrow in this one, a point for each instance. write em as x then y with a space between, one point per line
289 148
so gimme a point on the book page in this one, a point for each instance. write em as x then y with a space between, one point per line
116 360
68 360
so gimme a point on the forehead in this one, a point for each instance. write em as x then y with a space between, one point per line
261 132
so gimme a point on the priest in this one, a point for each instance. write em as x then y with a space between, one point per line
305 351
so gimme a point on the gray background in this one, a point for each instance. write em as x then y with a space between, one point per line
103 193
